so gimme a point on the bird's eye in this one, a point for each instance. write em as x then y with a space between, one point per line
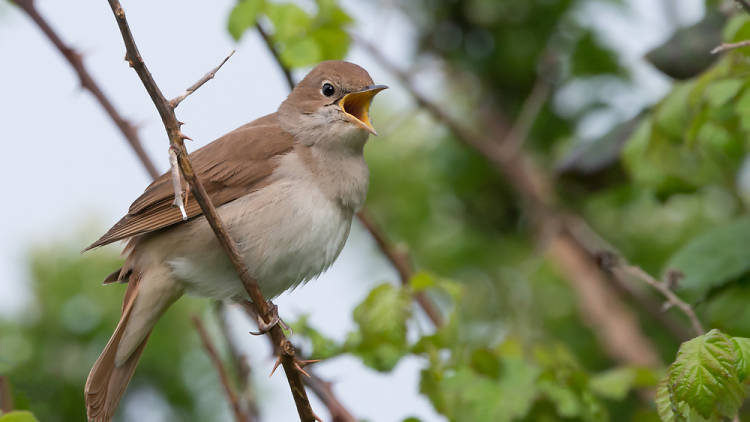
328 89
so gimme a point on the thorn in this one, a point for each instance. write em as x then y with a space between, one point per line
666 306
183 136
299 368
180 123
317 418
275 366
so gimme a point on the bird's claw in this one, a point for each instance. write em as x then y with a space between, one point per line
264 327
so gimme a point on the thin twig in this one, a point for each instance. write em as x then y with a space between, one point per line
730 46
614 324
529 112
622 269
239 415
176 139
87 82
174 170
6 398
174 102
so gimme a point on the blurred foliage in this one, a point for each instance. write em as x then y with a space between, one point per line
68 325
302 38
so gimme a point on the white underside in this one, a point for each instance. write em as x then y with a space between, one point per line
287 234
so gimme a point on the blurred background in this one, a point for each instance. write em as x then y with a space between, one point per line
517 141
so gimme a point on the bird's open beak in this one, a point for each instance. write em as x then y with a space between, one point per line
357 106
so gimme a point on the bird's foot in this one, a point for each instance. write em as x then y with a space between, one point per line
264 327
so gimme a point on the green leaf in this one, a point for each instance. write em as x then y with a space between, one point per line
289 21
300 52
243 16
18 416
720 92
712 259
742 352
467 396
333 42
705 378
421 281
381 341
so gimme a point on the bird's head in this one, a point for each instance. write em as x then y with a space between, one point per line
333 99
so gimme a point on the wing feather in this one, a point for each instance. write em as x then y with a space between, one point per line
230 167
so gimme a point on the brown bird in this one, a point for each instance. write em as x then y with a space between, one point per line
286 185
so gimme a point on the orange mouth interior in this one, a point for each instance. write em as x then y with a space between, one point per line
357 105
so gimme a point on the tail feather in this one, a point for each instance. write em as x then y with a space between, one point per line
106 382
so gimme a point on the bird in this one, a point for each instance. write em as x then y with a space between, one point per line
286 186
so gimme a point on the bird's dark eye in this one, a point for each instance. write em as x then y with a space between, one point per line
327 89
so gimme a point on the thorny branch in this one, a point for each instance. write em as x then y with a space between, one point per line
239 415
87 82
176 139
207 77
614 324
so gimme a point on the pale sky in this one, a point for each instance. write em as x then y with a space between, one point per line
66 164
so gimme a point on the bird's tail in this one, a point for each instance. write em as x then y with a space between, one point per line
147 297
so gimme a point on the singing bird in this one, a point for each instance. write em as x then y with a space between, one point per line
286 185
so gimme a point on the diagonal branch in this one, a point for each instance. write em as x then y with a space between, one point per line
6 398
87 82
239 415
176 140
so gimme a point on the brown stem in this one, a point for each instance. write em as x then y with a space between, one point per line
87 82
172 126
272 49
614 324
730 46
239 415
242 368
6 398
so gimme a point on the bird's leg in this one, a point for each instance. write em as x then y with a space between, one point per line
264 327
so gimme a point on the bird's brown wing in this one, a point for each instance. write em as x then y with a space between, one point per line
230 167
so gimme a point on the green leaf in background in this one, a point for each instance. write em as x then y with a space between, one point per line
381 318
289 21
712 259
742 353
300 52
615 384
590 58
467 396
704 378
18 416
243 16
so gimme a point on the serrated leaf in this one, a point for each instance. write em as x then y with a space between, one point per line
18 416
243 16
712 259
663 401
705 378
742 353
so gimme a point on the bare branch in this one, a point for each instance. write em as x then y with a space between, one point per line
87 82
174 102
172 126
730 46
614 324
6 398
239 415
